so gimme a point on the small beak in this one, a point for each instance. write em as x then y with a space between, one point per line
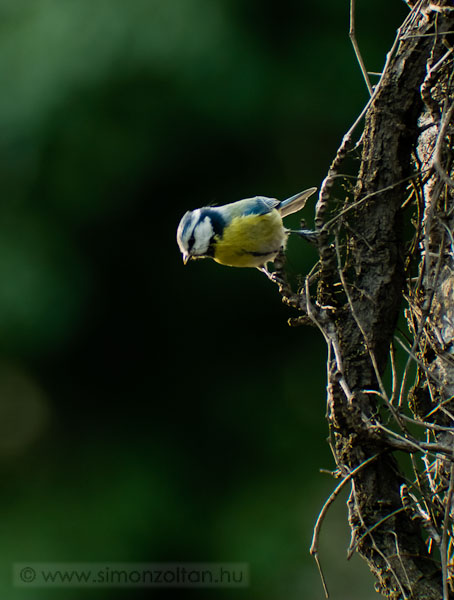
186 258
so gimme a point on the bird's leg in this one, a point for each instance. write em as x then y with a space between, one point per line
274 277
278 276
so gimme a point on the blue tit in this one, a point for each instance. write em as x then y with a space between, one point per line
247 233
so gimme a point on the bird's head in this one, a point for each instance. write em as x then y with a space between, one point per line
196 233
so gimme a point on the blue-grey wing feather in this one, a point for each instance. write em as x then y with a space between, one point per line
260 205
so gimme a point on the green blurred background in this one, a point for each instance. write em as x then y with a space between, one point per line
149 411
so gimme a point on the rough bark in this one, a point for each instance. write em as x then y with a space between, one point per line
373 278
368 271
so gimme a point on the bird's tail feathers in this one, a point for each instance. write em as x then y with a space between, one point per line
296 202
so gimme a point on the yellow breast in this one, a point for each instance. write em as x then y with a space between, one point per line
251 240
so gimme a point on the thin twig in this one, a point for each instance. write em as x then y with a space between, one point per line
352 35
417 361
317 528
368 531
399 556
437 156
444 536
328 225
409 444
394 386
425 424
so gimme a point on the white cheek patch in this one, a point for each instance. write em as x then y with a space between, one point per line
186 229
202 233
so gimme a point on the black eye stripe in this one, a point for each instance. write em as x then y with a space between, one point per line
191 242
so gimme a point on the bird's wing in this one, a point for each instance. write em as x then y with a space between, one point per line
259 205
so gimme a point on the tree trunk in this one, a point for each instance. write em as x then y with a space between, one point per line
387 250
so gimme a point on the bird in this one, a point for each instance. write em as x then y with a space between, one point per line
245 233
